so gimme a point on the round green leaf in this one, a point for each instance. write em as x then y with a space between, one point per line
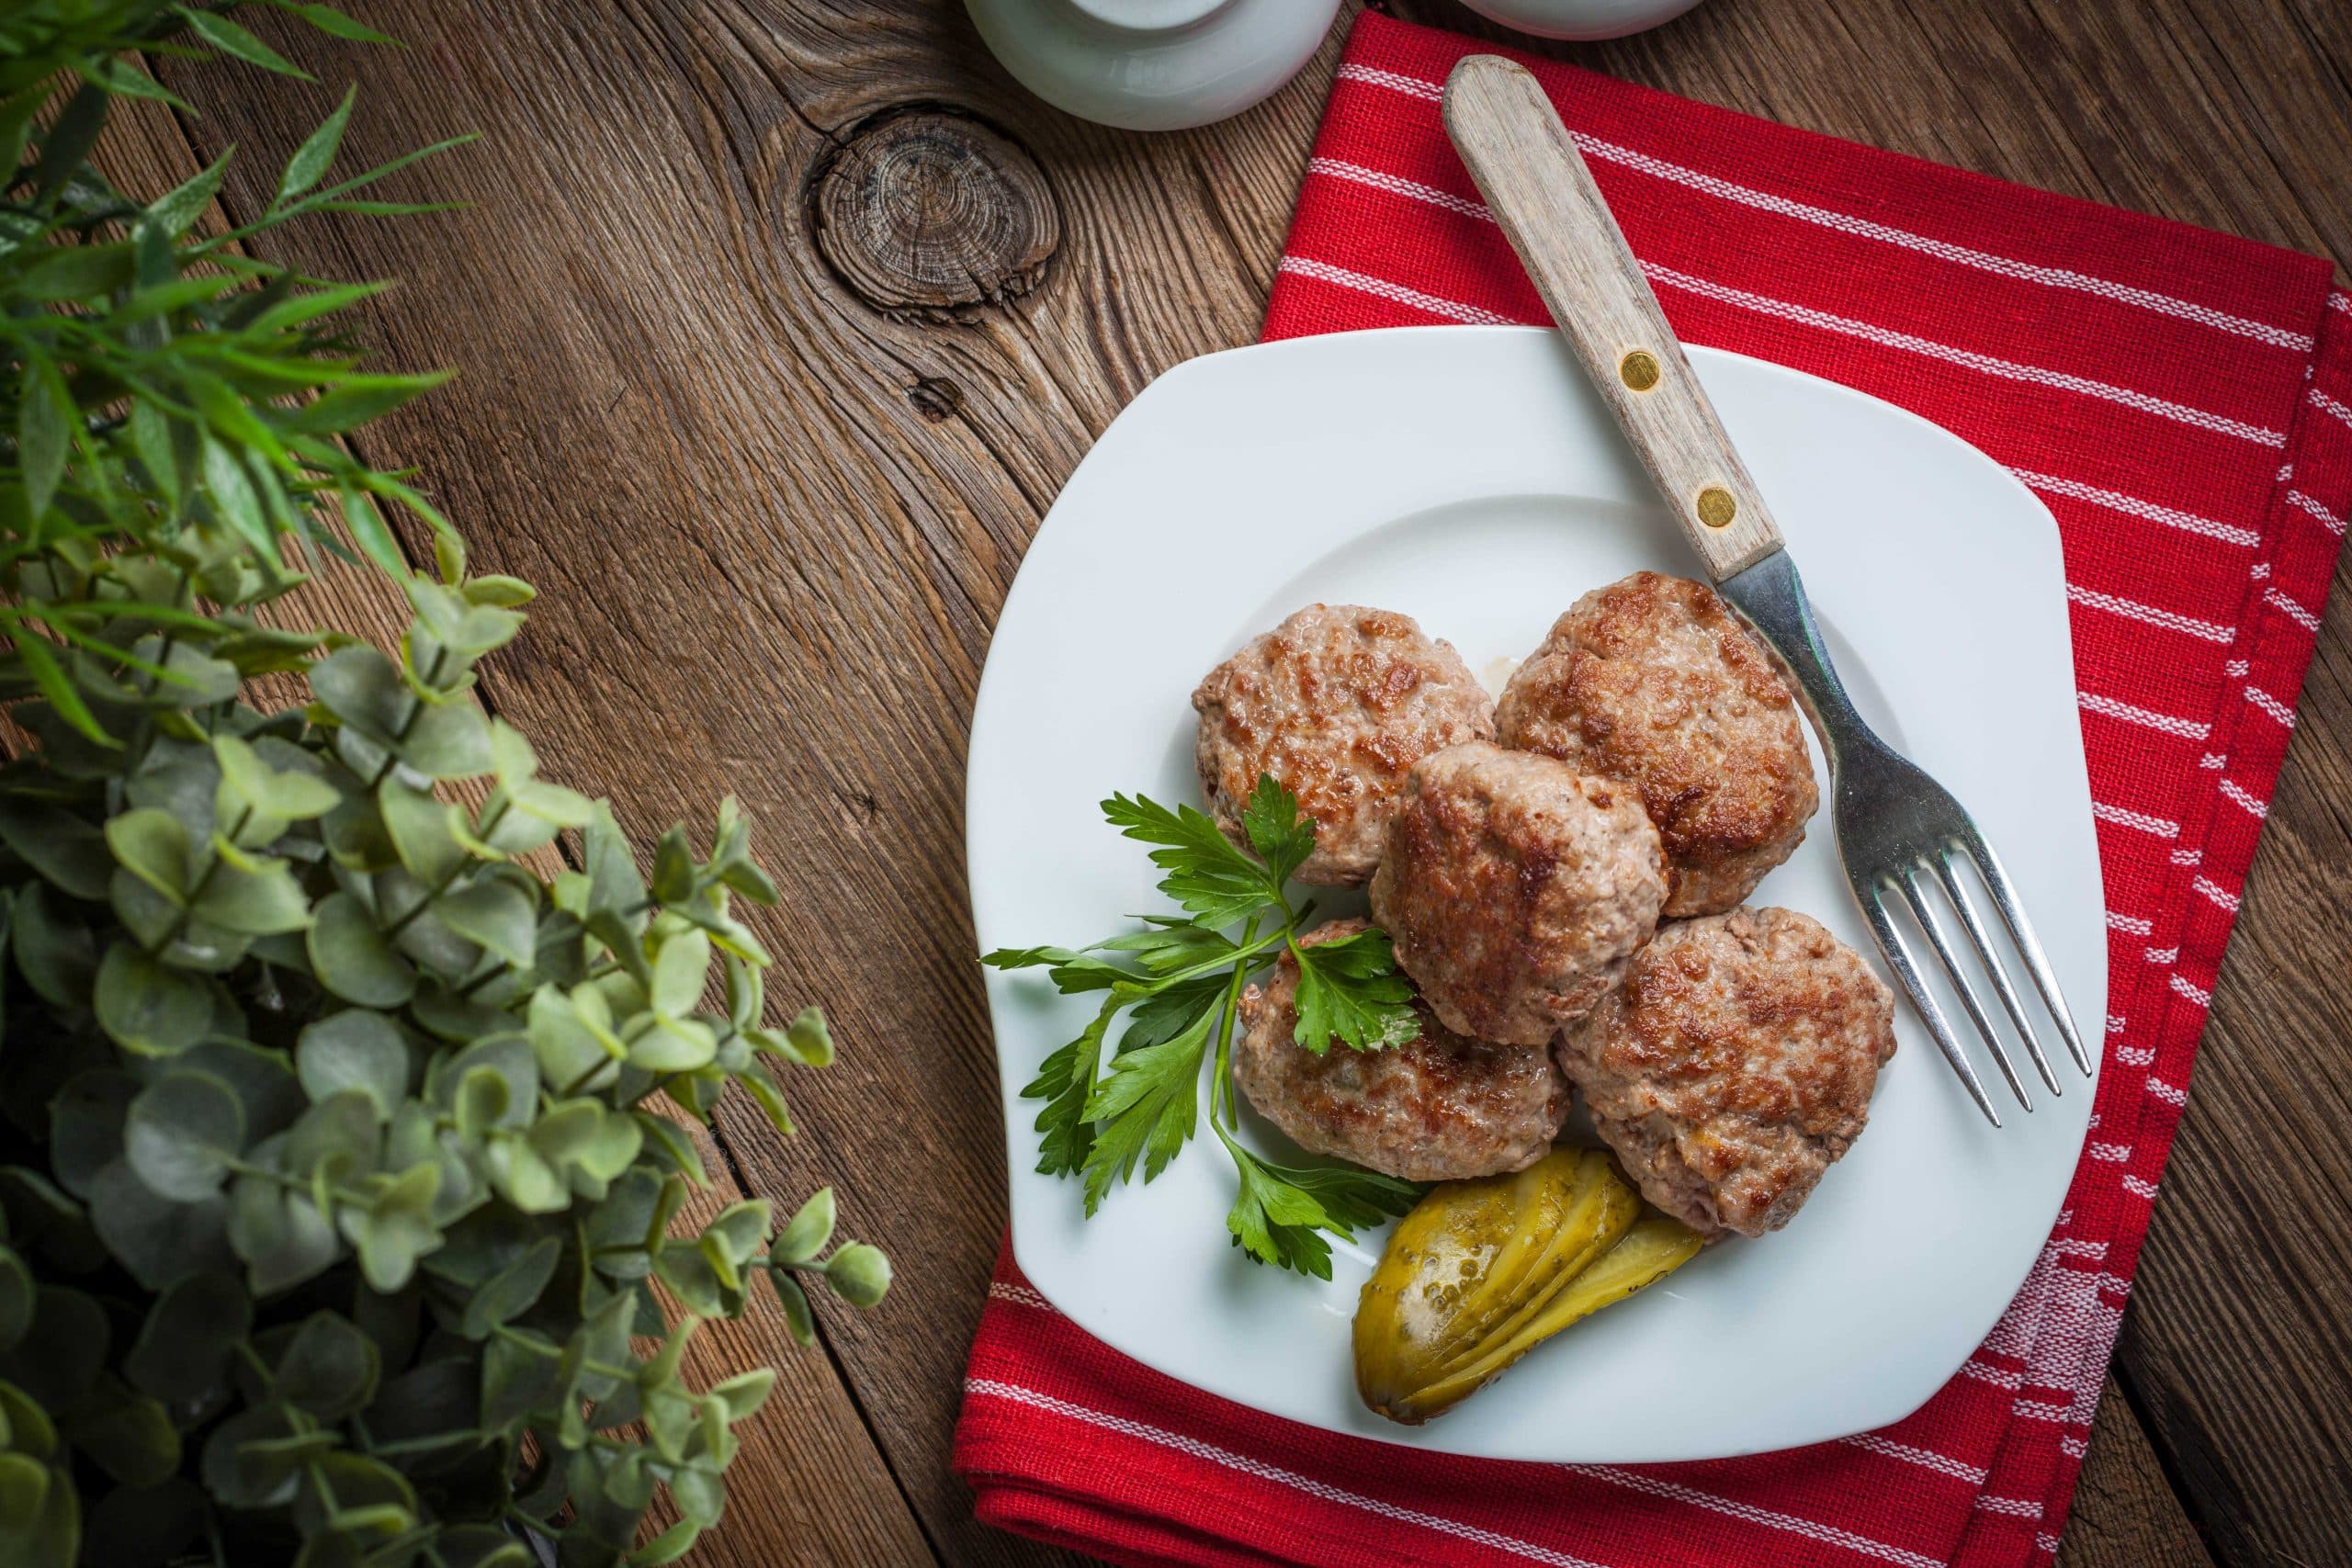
362 688
700 1494
448 740
327 1366
495 914
181 1133
259 898
85 1126
355 1049
16 1294
806 1234
57 1361
130 1435
396 1226
859 1274
156 1240
513 1291
181 1355
254 1458
147 1006
351 957
54 950
145 1524
280 1234
263 1080
24 1495
153 846
59 845
679 970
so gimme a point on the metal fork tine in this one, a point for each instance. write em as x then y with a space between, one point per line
2037 962
1898 958
2011 1002
1940 939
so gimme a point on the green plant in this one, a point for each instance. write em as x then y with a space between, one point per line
332 1195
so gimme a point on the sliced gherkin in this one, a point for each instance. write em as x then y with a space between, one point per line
1482 1272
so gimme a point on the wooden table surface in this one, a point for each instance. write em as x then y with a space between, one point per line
769 421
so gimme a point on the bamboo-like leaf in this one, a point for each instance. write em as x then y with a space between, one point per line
312 160
230 39
329 20
49 678
176 210
44 427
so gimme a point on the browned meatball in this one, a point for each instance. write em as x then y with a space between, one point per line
1437 1109
1335 703
1515 888
1652 681
1733 1065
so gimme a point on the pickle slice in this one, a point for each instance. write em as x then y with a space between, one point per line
1653 1248
1481 1271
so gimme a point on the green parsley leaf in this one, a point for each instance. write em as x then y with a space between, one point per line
1164 1015
1206 874
1070 970
1280 1214
1145 1109
1349 990
1282 837
1065 1081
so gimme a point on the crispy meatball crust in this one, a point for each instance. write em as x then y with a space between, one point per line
1652 681
1515 888
1439 1109
1733 1065
1335 703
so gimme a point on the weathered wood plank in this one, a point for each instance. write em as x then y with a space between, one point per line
2125 1515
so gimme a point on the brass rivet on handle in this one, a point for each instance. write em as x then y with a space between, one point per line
1716 507
1639 370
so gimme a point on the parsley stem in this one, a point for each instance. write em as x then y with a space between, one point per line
1221 1081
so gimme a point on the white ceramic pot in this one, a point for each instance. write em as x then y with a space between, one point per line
1153 64
1584 19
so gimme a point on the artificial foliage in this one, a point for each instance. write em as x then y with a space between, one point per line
341 1171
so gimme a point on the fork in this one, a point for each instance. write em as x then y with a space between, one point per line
1897 829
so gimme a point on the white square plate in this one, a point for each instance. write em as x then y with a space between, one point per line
1468 476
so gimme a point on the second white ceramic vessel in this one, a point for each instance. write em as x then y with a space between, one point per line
1584 19
1153 64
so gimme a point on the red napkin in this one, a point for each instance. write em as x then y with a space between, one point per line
2182 402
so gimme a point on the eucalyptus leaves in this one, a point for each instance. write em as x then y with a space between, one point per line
334 1209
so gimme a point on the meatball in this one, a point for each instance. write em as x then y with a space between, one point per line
1335 703
1652 681
1733 1065
1515 888
1438 1109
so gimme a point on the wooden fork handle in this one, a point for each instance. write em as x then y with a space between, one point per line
1535 182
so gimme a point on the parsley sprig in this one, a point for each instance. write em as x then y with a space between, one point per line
1178 980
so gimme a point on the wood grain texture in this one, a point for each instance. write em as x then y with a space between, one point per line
774 506
2125 1512
1543 199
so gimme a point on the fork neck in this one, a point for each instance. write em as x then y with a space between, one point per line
1770 596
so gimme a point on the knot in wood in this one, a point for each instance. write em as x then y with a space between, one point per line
928 212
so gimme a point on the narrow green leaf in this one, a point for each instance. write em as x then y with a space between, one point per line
230 39
312 160
50 680
234 497
329 20
175 211
44 430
